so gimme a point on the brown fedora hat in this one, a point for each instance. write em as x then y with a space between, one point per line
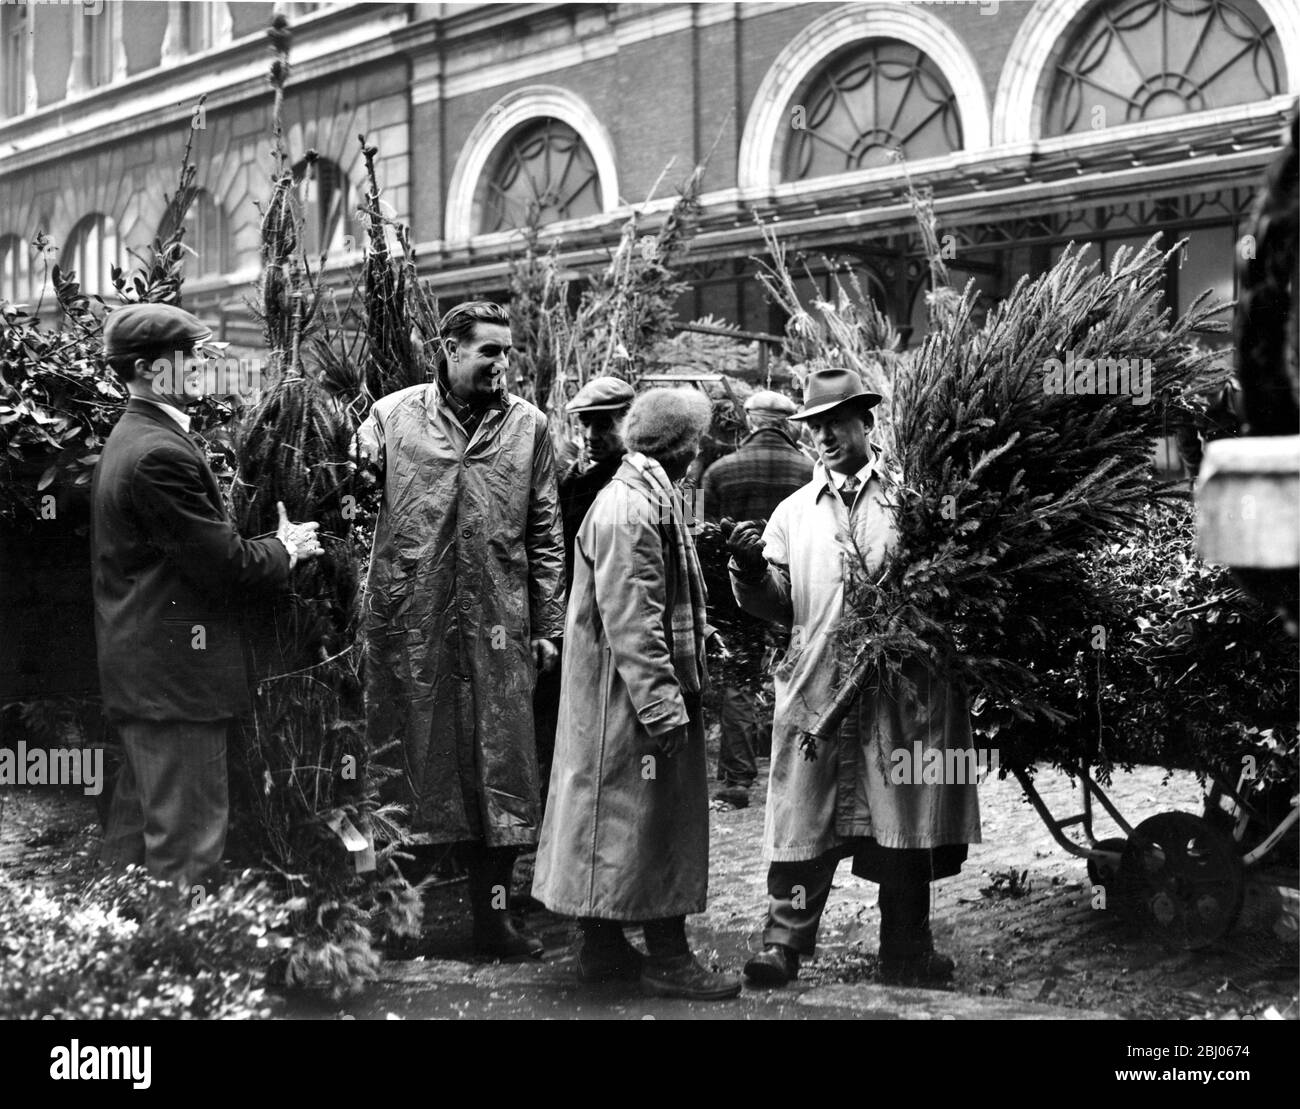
829 388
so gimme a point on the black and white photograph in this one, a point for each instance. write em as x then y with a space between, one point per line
651 511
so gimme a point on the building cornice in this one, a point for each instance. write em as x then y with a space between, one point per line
230 74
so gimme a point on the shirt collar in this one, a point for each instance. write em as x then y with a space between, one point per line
832 479
175 413
442 390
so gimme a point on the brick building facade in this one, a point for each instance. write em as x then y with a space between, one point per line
1034 121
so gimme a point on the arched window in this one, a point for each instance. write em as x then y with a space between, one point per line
90 250
542 172
327 207
15 272
15 32
1134 60
869 101
205 233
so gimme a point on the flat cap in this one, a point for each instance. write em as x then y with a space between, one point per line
143 328
767 400
602 394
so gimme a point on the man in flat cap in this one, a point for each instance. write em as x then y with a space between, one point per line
902 836
748 485
170 576
600 406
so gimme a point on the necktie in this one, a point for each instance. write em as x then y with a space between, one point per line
848 491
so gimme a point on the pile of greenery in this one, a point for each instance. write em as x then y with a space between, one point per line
124 948
1182 668
611 324
305 784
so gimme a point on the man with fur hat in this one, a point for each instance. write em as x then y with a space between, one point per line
829 539
170 576
748 484
625 839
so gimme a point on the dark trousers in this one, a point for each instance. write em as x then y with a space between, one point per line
797 893
737 757
170 806
546 716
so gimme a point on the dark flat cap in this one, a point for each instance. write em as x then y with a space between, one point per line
143 328
602 394
769 401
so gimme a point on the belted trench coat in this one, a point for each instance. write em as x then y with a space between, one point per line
626 834
812 545
467 566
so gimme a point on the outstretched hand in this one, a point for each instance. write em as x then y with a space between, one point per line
300 540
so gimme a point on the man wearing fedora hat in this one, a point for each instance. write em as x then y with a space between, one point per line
748 484
828 540
170 576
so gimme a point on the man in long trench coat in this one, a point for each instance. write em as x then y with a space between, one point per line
465 594
902 830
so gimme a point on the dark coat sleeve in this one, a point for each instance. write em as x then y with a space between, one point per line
545 543
711 494
768 597
175 509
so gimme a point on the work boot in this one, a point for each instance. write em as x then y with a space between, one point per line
735 796
683 976
495 934
927 969
774 966
608 959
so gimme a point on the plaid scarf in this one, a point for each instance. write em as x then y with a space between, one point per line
689 617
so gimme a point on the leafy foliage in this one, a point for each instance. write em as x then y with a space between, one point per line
126 948
1189 670
58 398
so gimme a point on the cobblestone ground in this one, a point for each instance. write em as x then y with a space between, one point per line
1043 943
1018 941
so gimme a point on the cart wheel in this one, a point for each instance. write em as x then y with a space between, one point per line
1182 879
1103 873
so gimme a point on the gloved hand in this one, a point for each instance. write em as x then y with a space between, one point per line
746 546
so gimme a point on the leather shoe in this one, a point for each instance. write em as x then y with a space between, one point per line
683 976
735 796
774 966
930 969
609 963
504 941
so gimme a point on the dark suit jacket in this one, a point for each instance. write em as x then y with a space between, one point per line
170 576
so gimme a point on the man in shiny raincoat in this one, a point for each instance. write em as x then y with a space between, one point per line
464 597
